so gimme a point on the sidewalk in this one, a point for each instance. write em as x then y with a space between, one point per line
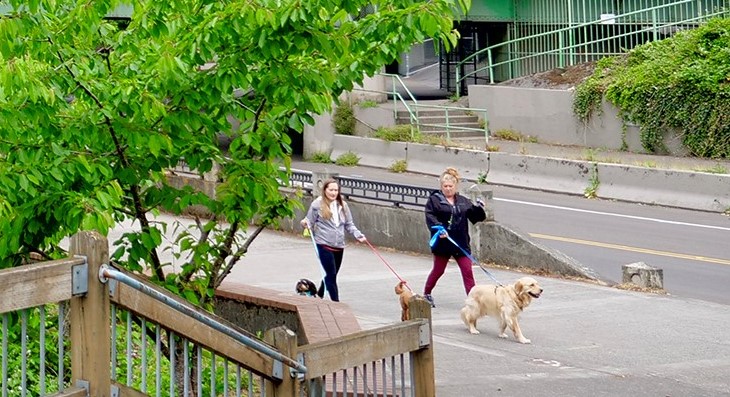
586 339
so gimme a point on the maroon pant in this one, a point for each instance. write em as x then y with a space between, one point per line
439 266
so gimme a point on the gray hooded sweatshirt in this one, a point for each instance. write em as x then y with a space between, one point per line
326 232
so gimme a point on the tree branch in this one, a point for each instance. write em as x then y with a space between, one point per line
224 252
237 256
139 212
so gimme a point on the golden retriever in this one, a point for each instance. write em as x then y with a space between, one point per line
504 301
405 296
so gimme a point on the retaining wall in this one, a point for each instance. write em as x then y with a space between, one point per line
547 115
682 189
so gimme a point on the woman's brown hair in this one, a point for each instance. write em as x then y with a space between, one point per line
325 207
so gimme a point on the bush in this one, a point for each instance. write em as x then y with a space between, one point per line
321 157
398 133
399 166
344 119
680 83
349 159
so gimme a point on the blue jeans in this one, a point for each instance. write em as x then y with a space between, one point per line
331 262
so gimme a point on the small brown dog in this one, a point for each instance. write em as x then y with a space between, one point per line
405 295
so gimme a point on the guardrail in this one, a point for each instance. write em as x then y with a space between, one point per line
396 194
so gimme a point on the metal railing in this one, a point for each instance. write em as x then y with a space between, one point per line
450 125
399 195
398 99
416 119
396 194
63 320
608 35
106 273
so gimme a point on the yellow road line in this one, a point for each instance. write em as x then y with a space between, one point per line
632 249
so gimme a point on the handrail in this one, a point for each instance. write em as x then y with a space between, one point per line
411 114
412 110
395 77
106 272
450 127
654 26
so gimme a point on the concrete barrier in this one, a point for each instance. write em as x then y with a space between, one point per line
405 230
682 189
685 189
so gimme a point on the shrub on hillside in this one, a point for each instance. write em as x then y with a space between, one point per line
681 83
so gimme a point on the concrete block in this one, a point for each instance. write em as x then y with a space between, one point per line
643 275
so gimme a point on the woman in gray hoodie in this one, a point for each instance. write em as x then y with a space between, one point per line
327 219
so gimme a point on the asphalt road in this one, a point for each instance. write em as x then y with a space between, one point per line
692 247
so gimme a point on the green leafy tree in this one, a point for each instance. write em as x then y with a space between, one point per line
95 111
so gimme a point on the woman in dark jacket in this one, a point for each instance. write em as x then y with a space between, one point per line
451 211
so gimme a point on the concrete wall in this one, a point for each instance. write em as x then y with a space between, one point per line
318 137
683 189
547 115
492 242
368 120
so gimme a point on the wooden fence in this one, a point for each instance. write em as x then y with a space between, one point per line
120 341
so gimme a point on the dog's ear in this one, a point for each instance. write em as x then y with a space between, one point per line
519 287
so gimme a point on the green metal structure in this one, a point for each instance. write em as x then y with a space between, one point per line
545 34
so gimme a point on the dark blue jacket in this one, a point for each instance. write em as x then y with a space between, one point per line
454 219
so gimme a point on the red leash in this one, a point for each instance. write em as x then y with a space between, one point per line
388 265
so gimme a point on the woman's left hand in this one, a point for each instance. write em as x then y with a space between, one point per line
362 239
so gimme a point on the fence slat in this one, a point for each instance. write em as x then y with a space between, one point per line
323 358
36 284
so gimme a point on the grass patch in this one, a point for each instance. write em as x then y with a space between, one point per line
399 166
321 157
717 169
348 159
512 135
397 133
368 103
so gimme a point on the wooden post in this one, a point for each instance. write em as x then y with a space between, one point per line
285 341
90 314
423 377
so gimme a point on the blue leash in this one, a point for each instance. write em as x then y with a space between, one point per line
439 230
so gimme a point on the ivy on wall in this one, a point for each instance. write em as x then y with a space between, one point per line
678 84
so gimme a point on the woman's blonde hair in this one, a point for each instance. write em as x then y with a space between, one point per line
324 209
450 175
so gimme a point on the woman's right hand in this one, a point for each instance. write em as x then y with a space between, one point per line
304 223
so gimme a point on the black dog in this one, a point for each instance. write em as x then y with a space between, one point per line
306 287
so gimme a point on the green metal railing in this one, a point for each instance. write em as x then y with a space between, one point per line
611 34
411 106
449 125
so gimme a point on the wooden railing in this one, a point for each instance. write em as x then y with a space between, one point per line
119 341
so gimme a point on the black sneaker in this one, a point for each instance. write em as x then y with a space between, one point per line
429 298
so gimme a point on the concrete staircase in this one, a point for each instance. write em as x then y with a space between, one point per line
438 121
